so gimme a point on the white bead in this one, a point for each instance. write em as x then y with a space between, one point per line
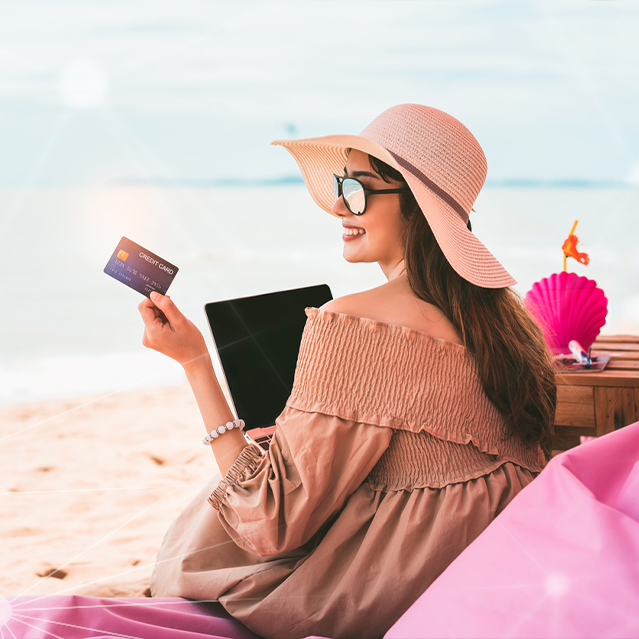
214 434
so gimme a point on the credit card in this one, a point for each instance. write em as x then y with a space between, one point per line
140 269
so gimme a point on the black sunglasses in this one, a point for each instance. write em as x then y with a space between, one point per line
354 193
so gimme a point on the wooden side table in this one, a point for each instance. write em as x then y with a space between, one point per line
594 404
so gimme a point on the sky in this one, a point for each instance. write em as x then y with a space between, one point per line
199 89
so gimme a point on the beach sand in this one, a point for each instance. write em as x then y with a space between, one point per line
90 486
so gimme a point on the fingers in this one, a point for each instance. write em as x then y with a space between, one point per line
155 328
169 332
148 310
166 305
150 314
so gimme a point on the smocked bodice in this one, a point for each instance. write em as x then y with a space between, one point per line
425 389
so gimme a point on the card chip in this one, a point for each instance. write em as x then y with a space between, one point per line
123 255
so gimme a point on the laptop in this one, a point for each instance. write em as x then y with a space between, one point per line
257 340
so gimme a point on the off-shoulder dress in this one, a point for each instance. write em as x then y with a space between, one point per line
387 462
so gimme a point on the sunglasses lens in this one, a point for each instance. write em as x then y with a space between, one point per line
354 195
336 189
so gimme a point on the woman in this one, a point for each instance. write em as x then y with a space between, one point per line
417 413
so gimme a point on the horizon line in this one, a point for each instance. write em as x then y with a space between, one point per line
293 180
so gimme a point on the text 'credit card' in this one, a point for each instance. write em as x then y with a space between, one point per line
140 269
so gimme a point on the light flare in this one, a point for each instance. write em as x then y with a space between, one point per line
5 611
557 584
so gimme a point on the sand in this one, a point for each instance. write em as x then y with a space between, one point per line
90 486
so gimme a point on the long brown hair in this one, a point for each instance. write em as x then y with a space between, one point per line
513 360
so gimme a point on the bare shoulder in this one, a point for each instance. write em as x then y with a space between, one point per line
357 304
395 303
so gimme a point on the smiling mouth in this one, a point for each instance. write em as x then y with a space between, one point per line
351 231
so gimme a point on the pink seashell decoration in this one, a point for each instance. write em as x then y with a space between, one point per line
567 307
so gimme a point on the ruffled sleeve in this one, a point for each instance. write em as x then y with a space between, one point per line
272 503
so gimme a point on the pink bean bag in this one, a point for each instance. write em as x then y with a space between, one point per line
562 560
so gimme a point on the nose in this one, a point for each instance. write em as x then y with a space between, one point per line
339 208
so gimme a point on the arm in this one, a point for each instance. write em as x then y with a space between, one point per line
270 503
275 503
168 331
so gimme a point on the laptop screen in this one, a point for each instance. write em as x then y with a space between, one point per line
258 340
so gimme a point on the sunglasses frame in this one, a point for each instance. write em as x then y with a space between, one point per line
337 185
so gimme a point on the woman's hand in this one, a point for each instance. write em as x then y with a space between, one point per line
166 330
169 332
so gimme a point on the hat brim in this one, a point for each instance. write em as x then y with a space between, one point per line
320 158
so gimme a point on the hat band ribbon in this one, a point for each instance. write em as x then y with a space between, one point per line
449 199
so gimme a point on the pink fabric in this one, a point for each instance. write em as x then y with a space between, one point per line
76 617
562 560
79 617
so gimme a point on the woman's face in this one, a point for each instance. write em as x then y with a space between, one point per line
375 236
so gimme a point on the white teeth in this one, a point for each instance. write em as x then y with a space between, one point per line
353 231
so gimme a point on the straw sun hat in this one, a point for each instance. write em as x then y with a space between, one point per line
442 163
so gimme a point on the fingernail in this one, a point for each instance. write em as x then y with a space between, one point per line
156 294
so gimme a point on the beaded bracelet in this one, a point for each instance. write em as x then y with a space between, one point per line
214 434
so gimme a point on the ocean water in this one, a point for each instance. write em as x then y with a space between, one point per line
68 330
